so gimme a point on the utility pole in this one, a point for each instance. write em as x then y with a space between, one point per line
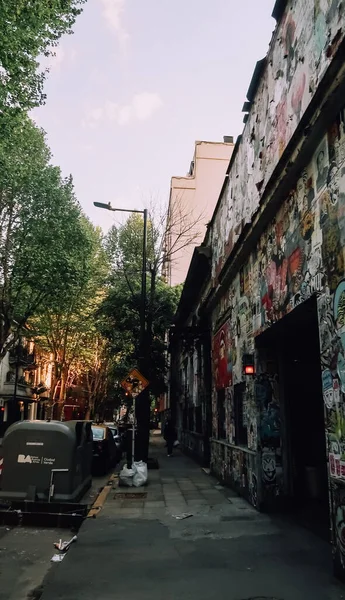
143 297
143 405
141 408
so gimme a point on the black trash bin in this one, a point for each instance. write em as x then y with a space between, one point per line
47 461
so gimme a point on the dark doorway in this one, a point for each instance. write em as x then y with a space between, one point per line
296 341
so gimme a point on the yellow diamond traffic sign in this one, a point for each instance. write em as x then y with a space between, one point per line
134 383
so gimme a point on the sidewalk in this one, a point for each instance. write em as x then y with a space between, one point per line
137 550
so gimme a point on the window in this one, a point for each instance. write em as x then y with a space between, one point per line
241 437
98 433
221 414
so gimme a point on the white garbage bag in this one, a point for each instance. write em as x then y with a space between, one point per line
140 474
126 476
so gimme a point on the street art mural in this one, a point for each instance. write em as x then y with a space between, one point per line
222 357
237 470
301 49
300 254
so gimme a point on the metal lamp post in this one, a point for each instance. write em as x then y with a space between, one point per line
142 337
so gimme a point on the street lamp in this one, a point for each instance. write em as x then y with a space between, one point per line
143 274
142 337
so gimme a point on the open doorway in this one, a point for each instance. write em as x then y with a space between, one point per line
295 339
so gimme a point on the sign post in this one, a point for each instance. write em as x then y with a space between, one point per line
134 384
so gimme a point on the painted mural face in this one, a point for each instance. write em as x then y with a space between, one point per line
321 165
268 466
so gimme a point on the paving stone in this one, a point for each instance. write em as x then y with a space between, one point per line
130 512
155 498
192 495
176 505
132 504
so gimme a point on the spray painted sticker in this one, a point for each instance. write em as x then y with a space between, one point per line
327 387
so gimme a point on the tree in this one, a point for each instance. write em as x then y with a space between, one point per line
67 325
122 305
29 28
98 375
121 326
42 234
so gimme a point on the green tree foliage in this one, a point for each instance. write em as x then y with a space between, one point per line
121 308
66 325
42 231
29 28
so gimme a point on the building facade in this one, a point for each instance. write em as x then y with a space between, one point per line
26 384
25 381
276 297
190 367
191 203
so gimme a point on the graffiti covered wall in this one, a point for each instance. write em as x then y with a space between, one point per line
300 254
302 48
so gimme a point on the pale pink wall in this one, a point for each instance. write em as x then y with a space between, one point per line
198 195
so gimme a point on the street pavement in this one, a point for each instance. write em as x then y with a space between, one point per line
26 552
136 548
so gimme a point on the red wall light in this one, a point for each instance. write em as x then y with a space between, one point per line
248 364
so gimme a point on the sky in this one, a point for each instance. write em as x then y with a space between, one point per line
140 81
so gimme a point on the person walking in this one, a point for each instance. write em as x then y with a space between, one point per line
169 435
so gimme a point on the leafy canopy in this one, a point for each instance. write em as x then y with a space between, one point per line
42 232
30 28
120 311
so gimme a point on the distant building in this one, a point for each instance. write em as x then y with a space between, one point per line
191 205
25 379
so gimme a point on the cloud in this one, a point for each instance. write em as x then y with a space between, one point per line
140 108
113 12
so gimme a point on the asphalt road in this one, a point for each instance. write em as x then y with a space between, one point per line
26 552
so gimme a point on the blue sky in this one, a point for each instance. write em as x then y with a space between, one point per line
139 82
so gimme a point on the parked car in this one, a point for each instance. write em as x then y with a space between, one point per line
104 449
117 438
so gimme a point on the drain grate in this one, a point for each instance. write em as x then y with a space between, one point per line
138 496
